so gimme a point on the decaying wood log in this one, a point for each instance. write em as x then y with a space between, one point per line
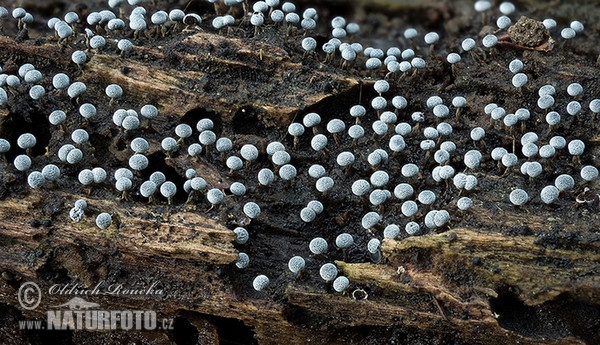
507 278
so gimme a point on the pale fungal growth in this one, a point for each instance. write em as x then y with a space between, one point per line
63 151
377 157
588 173
169 145
373 246
370 219
115 24
296 130
503 22
444 129
243 260
139 145
214 196
309 45
379 178
316 206
76 89
453 59
123 185
35 179
519 80
183 131
379 103
280 158
530 150
399 103
472 159
441 218
426 197
441 157
574 89
564 182
558 142
545 102
381 86
441 111
130 123
97 42
307 215
340 284
251 210
319 142
3 97
168 189
430 133
344 241
296 264
260 282
87 111
409 170
79 57
397 143
573 108
515 66
328 272
4 145
576 148
51 172
334 127
431 38
518 197
149 111
403 191
409 208
124 46
80 136
378 197
448 146
373 63
311 120
391 231
361 187
234 163
103 220
76 214
318 246
26 141
236 188
249 153
113 91
568 33
265 177
324 184
547 151
464 203
468 44
223 145
345 159
412 228
549 23
138 162
577 26
157 177
257 19
241 235
287 172
357 111
74 156
32 76
549 194
489 41
148 189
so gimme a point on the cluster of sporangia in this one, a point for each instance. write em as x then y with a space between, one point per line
432 126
